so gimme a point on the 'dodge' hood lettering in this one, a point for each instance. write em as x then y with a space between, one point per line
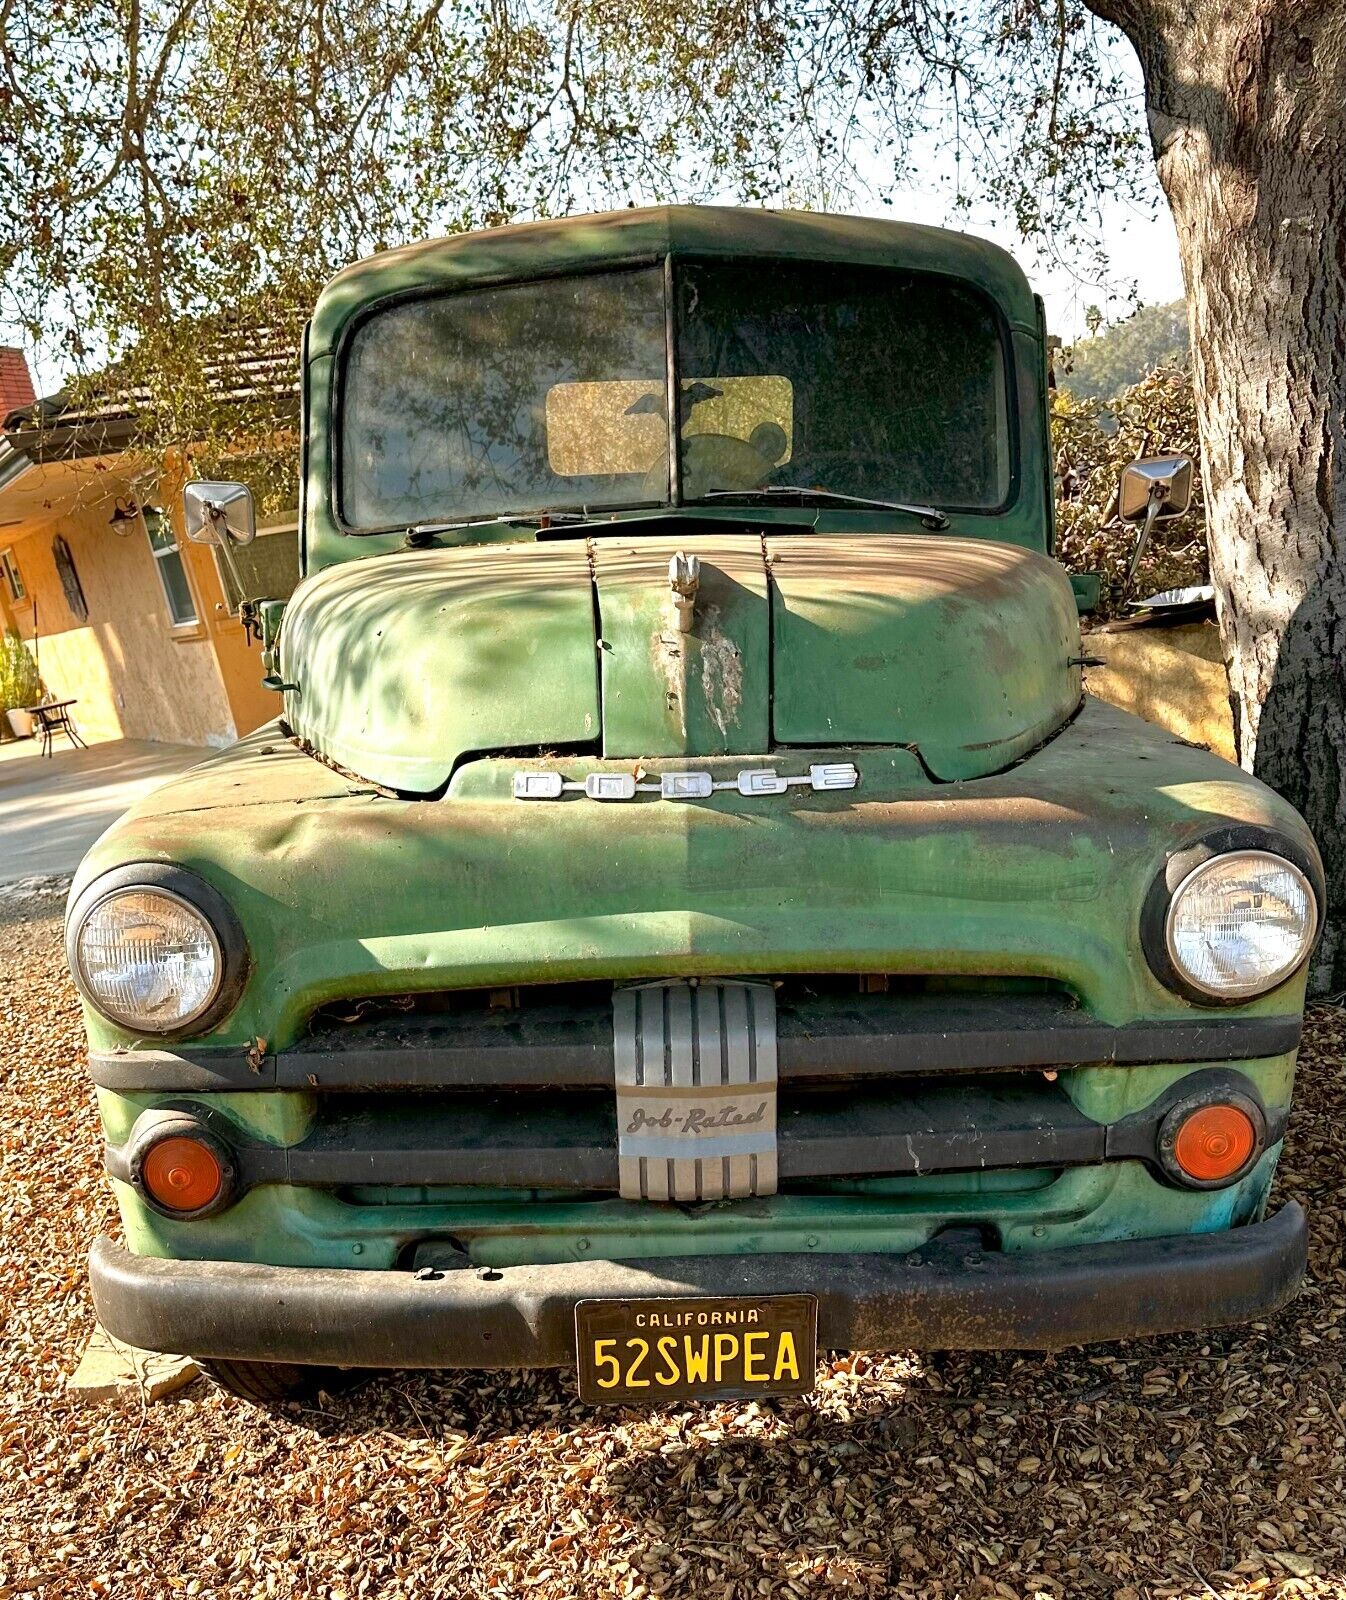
409 664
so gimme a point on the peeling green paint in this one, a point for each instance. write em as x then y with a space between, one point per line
307 1227
279 1117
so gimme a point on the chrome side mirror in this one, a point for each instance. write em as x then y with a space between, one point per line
1153 489
217 513
1164 482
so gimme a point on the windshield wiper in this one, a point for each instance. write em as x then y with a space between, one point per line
930 516
554 517
422 533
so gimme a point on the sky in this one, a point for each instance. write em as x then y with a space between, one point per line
1140 244
1136 237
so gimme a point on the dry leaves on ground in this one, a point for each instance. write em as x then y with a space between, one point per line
1194 1466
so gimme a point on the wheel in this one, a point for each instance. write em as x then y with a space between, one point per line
267 1383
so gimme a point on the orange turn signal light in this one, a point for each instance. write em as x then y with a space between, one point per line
182 1174
1214 1142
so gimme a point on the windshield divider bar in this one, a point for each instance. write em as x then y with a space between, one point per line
672 407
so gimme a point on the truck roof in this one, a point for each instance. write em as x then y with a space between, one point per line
620 238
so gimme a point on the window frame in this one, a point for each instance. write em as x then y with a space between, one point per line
670 261
172 549
18 593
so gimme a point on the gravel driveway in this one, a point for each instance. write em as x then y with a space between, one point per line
1192 1466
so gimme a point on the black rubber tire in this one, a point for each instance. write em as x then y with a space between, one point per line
268 1383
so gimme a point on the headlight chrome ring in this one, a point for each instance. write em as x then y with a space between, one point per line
1248 851
181 942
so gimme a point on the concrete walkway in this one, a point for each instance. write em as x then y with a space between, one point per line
53 808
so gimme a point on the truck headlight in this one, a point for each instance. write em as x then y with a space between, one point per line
155 950
1240 923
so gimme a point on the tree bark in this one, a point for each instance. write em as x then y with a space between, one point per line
1247 112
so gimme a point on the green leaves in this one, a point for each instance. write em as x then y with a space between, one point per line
20 684
185 174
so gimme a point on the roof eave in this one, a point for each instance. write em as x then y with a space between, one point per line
72 442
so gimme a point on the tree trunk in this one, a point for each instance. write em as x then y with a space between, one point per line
1247 111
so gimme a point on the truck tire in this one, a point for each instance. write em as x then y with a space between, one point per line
267 1383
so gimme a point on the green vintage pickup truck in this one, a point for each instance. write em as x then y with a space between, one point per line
687 911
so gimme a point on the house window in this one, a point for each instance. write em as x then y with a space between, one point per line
13 582
172 574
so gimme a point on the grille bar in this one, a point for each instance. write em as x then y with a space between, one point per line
824 1040
569 1142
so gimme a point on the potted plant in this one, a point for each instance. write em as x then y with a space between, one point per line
20 685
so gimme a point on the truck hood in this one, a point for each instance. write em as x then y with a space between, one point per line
402 667
1040 870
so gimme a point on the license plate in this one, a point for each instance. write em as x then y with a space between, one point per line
648 1351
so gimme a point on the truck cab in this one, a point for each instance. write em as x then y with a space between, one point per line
686 910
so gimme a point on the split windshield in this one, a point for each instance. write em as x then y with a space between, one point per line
860 381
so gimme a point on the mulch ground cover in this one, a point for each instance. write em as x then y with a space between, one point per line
1211 1465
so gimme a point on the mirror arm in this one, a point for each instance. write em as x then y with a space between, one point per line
224 547
1159 493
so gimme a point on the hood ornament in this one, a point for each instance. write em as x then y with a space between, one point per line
684 579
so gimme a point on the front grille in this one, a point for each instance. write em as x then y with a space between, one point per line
928 1188
567 1142
829 1029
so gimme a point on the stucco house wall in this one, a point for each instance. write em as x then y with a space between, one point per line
133 673
79 468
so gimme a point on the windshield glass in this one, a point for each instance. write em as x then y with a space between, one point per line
896 383
858 381
506 399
